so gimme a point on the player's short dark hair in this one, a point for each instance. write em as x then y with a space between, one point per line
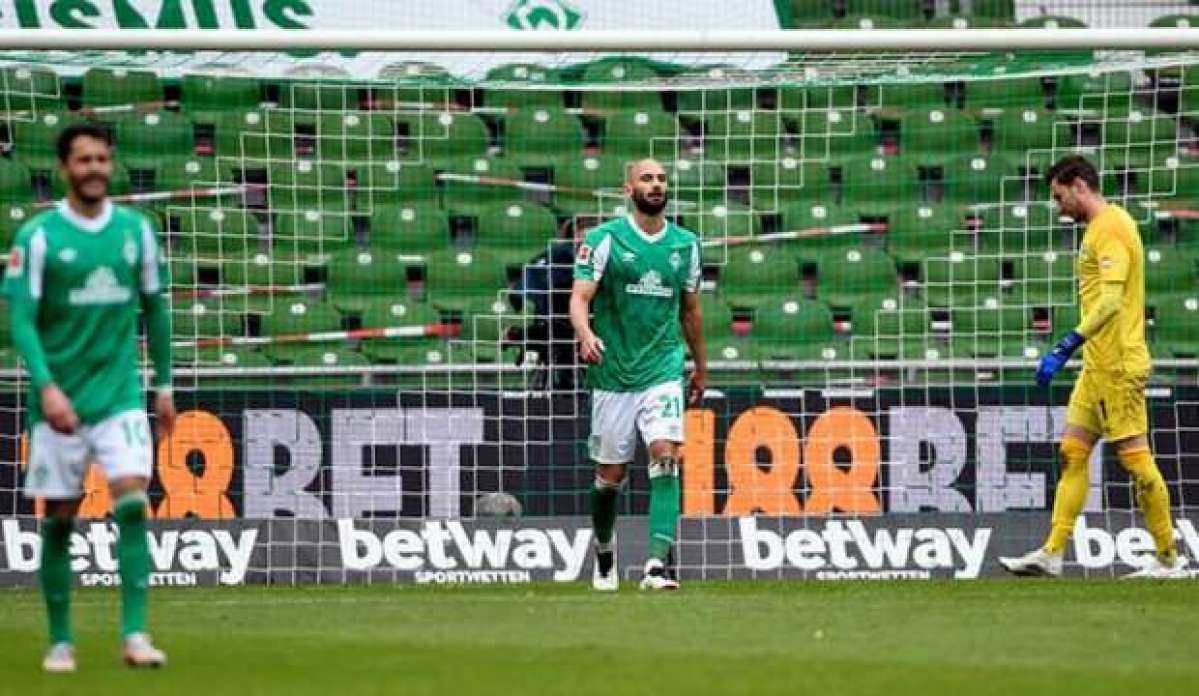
66 139
1071 167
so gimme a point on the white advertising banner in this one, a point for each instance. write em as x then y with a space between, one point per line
443 15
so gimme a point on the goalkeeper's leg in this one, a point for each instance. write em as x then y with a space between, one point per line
1153 499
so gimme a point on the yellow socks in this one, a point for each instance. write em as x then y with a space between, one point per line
1152 498
1071 494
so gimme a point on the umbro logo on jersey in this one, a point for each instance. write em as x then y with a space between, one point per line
67 255
100 288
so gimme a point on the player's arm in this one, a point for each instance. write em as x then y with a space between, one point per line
23 288
156 308
691 317
590 262
1114 260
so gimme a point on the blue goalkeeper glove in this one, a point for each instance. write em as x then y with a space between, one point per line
1055 359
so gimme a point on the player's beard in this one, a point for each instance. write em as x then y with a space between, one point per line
649 207
77 188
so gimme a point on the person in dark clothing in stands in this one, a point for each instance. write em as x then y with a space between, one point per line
545 283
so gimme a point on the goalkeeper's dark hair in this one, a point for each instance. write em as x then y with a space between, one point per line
66 139
1072 167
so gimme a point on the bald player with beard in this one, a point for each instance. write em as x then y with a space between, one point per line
634 303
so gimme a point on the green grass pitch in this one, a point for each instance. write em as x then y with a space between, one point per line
984 637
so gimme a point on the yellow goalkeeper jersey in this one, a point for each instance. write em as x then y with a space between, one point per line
1111 251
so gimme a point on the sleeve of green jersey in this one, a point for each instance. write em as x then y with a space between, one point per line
592 256
696 272
156 304
23 288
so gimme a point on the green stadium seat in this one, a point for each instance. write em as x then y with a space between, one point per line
718 316
419 228
514 233
917 232
440 138
294 317
12 216
1176 326
578 180
1111 92
330 355
191 320
698 103
485 322
320 95
636 134
1053 22
1142 137
33 139
186 173
119 87
909 11
974 179
16 183
355 135
621 71
1007 93
993 330
997 9
797 98
883 326
907 95
255 134
810 217
214 233
865 22
938 135
257 269
1046 277
394 182
745 136
874 185
359 278
791 328
455 279
750 277
524 92
1170 272
301 232
150 136
847 278
308 185
384 313
218 92
695 180
811 13
723 219
840 132
541 137
232 359
962 280
1022 228
479 183
1017 130
780 183
972 22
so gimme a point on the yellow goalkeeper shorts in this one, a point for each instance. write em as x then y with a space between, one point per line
1110 403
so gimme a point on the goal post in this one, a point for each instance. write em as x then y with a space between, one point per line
371 234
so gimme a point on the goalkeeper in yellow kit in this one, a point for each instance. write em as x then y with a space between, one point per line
1109 397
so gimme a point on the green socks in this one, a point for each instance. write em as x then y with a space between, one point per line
603 510
663 505
54 575
133 559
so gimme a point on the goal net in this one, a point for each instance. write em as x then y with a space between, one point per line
369 282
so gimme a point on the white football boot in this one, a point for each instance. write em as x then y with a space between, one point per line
1155 569
59 659
1036 564
138 651
605 581
656 577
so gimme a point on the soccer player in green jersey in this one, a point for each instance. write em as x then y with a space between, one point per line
78 276
640 276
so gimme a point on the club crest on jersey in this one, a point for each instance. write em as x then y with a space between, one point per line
16 262
100 288
130 252
650 284
67 255
676 260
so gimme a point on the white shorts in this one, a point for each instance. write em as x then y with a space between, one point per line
120 445
616 417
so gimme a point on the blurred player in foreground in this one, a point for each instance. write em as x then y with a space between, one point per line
640 275
78 276
1109 396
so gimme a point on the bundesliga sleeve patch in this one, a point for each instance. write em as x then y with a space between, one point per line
584 255
16 262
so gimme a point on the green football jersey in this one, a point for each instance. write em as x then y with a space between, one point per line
635 311
82 284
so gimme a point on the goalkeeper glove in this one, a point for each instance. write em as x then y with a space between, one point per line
1055 359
